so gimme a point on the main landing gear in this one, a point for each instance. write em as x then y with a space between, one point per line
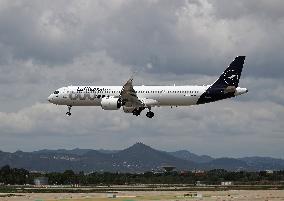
69 110
137 112
150 114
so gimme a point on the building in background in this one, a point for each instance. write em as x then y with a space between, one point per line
226 183
41 181
168 168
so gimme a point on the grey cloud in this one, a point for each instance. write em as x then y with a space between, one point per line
226 121
44 32
264 89
45 45
24 82
190 38
267 10
176 37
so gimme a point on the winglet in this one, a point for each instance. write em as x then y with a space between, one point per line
133 74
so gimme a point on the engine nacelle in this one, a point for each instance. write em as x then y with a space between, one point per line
110 103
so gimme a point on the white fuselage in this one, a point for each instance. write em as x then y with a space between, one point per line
150 95
134 99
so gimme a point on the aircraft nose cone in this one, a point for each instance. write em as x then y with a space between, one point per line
49 98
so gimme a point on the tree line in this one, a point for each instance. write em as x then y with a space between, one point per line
15 176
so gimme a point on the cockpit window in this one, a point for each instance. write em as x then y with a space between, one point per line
56 92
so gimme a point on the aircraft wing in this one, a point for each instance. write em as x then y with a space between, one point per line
129 96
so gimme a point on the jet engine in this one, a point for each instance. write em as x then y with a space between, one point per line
110 103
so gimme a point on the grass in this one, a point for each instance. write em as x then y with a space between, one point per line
23 189
116 199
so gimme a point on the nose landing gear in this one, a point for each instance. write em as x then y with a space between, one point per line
69 110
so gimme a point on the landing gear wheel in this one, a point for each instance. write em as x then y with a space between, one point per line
69 110
135 112
138 111
150 114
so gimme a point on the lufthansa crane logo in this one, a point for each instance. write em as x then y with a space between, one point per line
230 77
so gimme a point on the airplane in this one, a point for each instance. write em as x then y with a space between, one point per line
134 99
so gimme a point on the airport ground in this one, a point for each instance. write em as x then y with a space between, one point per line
140 193
238 195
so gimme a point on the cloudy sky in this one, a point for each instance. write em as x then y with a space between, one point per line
45 45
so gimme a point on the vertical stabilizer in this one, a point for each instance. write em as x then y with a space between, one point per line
231 76
227 84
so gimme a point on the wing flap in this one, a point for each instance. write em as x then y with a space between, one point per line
129 96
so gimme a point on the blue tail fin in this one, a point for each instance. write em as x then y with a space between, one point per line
231 76
226 85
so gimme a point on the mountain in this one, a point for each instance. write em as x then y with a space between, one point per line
105 151
41 161
137 158
186 155
264 163
140 156
230 164
76 151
